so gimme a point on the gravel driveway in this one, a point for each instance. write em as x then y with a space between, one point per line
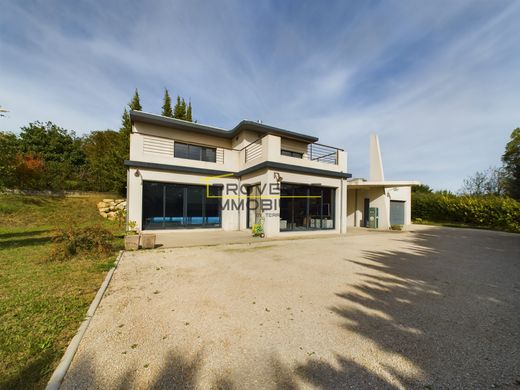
430 308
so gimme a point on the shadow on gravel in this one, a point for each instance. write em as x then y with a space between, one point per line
448 306
178 372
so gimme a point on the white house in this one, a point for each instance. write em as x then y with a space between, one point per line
184 175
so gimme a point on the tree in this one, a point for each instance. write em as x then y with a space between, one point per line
167 105
511 161
9 149
126 123
422 188
135 104
188 113
178 111
489 182
102 151
182 110
61 155
52 142
29 171
123 148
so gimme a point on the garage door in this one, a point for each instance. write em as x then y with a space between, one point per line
396 212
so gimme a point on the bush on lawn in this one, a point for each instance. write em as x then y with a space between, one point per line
72 241
494 212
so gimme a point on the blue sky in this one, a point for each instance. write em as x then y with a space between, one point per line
439 81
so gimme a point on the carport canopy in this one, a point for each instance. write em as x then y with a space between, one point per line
365 184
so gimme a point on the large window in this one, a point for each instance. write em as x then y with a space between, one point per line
306 207
180 206
194 152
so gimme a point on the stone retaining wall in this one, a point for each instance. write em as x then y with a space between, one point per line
111 208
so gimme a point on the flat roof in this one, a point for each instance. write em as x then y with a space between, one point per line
159 120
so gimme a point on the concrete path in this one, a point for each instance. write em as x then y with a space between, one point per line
431 308
187 238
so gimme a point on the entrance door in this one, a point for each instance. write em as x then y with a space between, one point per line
396 212
366 212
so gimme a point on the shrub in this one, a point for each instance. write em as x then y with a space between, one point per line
494 212
72 241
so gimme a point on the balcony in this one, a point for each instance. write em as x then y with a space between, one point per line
322 153
269 148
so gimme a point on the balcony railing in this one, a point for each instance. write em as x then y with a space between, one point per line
315 152
322 153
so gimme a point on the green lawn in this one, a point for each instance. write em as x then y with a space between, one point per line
42 302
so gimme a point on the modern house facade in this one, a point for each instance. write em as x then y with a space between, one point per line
184 175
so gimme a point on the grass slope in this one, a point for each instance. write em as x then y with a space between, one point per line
42 302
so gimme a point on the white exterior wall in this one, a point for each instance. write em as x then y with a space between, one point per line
154 144
380 197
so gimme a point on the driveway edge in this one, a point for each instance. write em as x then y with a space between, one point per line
60 371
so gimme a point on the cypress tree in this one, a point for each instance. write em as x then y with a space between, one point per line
123 151
167 105
183 109
178 110
135 104
188 113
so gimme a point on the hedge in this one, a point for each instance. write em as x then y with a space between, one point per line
493 212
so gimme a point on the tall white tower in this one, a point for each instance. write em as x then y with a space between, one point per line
376 163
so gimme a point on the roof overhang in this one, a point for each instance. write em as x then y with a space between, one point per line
255 168
158 120
353 184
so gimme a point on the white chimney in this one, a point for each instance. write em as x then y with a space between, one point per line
376 163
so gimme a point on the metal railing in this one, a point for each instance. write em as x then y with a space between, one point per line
322 153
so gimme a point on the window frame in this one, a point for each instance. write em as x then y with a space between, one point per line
291 153
202 153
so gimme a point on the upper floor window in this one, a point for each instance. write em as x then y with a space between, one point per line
290 153
194 152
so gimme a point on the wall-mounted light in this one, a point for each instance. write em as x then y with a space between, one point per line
277 177
137 173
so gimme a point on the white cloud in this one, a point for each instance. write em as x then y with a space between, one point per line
436 80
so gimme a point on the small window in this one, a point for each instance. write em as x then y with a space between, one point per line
194 152
290 153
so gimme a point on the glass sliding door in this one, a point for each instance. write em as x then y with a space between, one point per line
286 208
178 206
306 207
195 205
301 208
315 207
153 205
174 206
212 207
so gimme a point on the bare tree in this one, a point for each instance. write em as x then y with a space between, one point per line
488 182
